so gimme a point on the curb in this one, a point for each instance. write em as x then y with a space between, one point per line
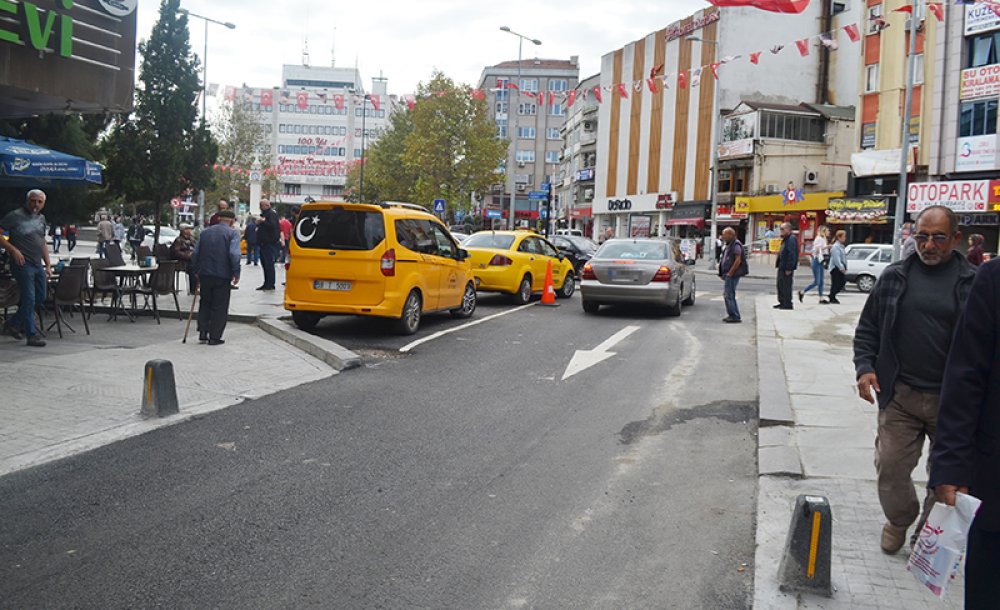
338 357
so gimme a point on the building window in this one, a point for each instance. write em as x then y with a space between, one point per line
552 133
525 156
918 69
502 107
292 189
332 190
529 84
357 153
552 156
557 110
526 133
733 180
874 19
527 109
791 127
983 50
978 118
502 88
557 84
871 78
501 131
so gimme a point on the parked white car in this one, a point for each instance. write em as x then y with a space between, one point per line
167 235
865 263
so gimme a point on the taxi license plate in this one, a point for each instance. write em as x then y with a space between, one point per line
331 285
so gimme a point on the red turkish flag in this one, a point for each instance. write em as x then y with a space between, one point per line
682 80
411 101
338 101
622 91
478 95
651 82
597 94
755 57
571 98
266 98
775 6
376 102
937 9
853 32
302 99
715 70
803 46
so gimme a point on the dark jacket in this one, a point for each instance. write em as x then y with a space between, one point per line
217 253
873 338
966 448
182 248
975 255
250 234
729 254
268 231
788 256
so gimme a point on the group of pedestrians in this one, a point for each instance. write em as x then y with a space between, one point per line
57 232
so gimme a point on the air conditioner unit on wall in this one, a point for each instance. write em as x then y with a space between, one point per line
772 189
811 177
520 188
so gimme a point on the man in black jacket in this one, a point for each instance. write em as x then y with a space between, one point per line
268 234
900 347
788 261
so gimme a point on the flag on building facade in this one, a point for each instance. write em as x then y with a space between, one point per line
775 6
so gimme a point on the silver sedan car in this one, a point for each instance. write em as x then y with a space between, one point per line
641 271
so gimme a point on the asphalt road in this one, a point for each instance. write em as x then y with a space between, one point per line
463 473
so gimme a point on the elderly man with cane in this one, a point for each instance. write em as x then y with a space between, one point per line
217 259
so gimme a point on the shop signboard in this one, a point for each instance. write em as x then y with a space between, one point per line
585 174
738 148
959 195
868 135
665 201
639 226
976 153
983 81
980 18
857 210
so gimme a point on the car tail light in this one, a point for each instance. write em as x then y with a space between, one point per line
388 263
663 274
499 260
588 272
288 264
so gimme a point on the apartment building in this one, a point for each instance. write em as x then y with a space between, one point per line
578 161
518 95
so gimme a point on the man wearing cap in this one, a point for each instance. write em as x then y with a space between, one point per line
31 268
217 259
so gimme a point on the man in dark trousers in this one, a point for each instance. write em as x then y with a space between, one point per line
964 457
30 264
217 259
900 348
732 267
268 236
787 263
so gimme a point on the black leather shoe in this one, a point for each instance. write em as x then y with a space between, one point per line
202 338
778 306
732 321
801 296
834 301
261 288
13 331
36 341
216 341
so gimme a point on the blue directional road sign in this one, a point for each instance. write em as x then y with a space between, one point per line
546 186
439 206
494 214
538 196
543 213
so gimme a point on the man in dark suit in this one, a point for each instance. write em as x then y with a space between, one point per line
788 261
966 452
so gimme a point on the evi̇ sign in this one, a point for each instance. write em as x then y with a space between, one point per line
42 29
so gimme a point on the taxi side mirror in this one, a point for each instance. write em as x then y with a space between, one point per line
461 254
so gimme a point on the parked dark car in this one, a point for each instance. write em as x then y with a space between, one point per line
577 249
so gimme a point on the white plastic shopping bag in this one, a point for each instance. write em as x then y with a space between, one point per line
937 555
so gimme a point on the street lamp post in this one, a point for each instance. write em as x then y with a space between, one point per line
204 55
361 178
714 185
512 129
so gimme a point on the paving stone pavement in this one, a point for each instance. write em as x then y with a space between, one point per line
828 450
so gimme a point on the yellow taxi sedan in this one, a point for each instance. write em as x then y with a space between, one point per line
514 262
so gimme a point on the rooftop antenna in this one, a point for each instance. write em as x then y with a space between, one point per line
333 49
305 51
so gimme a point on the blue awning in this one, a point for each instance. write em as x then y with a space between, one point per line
23 163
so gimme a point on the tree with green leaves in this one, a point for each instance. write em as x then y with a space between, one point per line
161 150
444 148
241 136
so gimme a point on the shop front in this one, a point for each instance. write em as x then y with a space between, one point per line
976 202
582 218
688 219
768 212
866 219
634 216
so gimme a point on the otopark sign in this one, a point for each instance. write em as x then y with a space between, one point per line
959 195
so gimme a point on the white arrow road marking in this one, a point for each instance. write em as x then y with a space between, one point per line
584 359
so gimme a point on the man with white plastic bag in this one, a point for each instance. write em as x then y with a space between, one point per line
937 555
966 453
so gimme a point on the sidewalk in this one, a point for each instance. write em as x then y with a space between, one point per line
817 437
84 391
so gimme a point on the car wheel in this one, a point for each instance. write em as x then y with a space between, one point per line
523 294
591 306
568 287
305 320
409 319
674 310
690 300
866 283
468 303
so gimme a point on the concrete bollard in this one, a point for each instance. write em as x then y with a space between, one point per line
159 392
805 566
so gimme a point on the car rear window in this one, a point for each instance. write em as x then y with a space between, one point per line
340 229
859 254
489 240
634 250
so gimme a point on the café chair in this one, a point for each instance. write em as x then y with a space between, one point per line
10 295
113 254
162 281
105 284
69 292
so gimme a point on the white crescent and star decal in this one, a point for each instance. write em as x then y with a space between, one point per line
300 233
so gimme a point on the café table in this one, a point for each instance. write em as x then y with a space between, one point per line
129 274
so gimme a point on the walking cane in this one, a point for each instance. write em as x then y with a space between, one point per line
187 326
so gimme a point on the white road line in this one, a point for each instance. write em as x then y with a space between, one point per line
442 333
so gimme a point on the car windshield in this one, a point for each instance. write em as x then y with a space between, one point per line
643 250
498 241
340 229
859 254
581 243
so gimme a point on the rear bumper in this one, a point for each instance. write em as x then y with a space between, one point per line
381 310
495 280
654 294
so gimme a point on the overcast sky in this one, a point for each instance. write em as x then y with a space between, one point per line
406 40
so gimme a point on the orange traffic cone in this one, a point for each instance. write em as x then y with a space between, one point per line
549 293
